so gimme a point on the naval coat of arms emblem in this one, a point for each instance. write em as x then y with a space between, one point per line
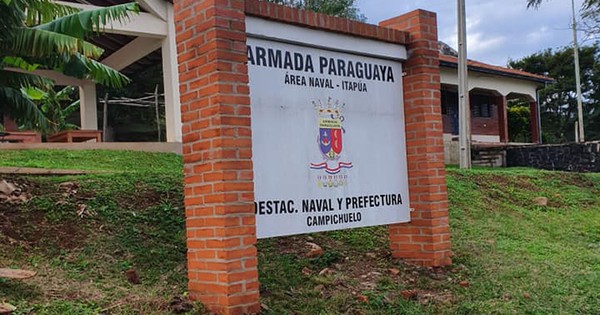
330 142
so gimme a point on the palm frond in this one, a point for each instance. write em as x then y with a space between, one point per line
20 108
88 21
73 107
39 43
103 74
44 11
16 79
533 3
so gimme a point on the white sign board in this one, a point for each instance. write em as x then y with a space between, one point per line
328 139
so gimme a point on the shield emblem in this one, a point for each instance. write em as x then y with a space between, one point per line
330 137
325 140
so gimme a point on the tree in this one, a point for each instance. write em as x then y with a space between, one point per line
558 101
519 116
342 8
41 34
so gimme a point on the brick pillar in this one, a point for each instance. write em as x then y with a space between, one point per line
426 239
502 118
533 122
217 152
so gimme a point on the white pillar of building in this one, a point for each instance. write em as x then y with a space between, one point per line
87 106
171 80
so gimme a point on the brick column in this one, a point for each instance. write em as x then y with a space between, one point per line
533 122
502 117
426 239
217 151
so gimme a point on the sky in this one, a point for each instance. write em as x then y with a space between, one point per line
497 30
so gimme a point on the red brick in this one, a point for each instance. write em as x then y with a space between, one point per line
425 240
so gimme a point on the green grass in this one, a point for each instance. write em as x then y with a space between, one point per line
103 160
517 257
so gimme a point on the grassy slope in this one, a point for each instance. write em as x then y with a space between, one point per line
511 256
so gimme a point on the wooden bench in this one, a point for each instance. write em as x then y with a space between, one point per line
20 137
76 136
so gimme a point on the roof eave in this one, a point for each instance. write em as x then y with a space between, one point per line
449 64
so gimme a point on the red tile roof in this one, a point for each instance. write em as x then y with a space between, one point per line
484 67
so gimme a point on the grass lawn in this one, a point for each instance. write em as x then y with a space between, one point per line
511 256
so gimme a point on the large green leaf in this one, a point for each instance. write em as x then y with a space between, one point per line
39 43
45 11
34 93
103 74
16 79
19 107
88 21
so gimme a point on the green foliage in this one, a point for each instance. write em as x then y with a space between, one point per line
42 34
342 8
518 120
558 100
100 160
55 105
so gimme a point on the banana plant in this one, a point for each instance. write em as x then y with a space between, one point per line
43 34
55 105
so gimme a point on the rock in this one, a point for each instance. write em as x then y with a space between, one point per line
540 201
16 273
464 283
371 255
7 188
409 294
315 250
10 193
132 276
6 308
307 271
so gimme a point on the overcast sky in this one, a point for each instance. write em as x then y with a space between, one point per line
497 30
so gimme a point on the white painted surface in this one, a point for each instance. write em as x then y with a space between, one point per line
260 28
171 81
485 138
87 107
157 7
504 85
132 52
285 132
57 77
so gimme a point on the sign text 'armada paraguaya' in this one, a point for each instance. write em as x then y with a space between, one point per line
306 62
328 144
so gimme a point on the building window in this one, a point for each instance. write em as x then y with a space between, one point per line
481 106
449 102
